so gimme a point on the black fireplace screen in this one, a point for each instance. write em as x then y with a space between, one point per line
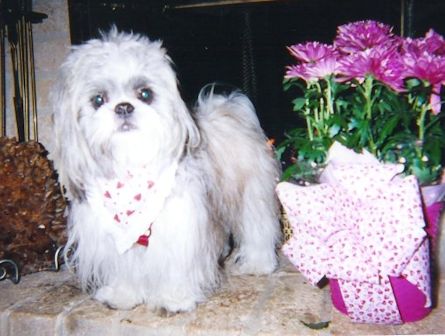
242 42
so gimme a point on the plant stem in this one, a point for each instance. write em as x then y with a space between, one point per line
368 112
322 116
368 99
318 111
309 125
329 100
307 113
421 122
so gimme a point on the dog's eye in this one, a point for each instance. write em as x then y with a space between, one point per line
146 95
98 100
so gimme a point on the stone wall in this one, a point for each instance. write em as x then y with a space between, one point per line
51 43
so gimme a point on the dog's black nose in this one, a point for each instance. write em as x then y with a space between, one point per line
124 109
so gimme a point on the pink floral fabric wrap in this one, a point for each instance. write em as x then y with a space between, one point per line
361 225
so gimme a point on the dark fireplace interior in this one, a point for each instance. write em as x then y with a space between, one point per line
242 44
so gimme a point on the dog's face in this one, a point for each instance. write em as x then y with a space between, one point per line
126 105
117 104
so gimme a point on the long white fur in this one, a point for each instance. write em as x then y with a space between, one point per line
224 184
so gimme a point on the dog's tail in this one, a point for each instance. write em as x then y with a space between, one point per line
232 134
228 115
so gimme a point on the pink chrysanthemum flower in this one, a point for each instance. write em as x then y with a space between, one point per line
323 68
435 43
318 60
311 51
432 43
363 35
430 68
315 70
297 71
384 64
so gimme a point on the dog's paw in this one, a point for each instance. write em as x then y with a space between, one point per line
256 263
164 313
172 307
117 298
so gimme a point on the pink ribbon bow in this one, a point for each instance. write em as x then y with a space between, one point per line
362 224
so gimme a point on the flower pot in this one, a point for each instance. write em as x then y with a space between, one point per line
411 302
367 229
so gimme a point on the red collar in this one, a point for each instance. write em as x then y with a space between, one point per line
144 239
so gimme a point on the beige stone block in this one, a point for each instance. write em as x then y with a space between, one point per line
44 113
49 54
291 302
265 305
50 303
29 324
40 316
57 11
230 310
53 302
30 287
91 318
142 321
32 307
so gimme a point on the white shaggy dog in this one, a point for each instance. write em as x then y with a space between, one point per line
156 194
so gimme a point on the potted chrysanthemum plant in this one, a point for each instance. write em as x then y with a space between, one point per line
373 131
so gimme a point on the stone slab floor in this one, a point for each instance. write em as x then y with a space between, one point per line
50 303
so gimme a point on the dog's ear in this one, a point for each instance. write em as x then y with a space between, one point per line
72 157
192 136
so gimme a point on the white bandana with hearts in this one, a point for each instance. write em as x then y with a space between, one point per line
133 202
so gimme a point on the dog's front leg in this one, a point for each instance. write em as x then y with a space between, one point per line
184 251
118 296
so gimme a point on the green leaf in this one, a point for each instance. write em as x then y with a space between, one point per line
287 84
298 103
387 129
334 130
412 83
288 173
390 131
279 152
425 174
316 325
